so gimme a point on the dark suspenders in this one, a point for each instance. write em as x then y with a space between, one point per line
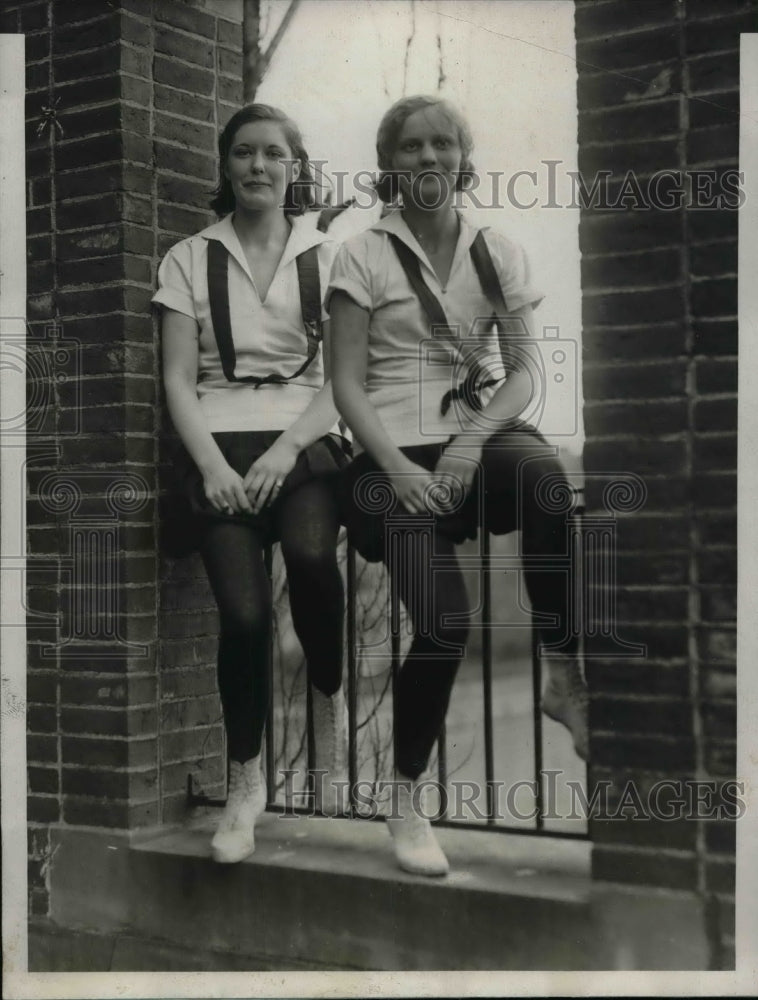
218 294
470 389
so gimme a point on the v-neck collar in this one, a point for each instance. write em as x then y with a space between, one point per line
301 237
394 223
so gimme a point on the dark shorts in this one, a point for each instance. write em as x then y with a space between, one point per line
368 501
324 459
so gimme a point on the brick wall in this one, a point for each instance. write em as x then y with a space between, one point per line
658 90
121 689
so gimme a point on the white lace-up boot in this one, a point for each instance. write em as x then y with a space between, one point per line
330 738
246 800
416 847
565 699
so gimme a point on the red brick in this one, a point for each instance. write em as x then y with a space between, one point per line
647 381
183 46
184 221
717 644
715 337
42 809
178 102
74 66
34 17
715 452
41 191
673 756
229 62
715 490
714 297
601 19
80 91
623 51
654 267
707 224
37 47
667 604
644 156
720 876
179 715
106 118
185 132
710 73
718 566
179 190
722 109
624 308
637 715
653 118
721 33
637 677
716 414
718 604
720 759
230 90
99 812
110 784
42 749
192 744
198 166
185 17
711 260
183 77
642 457
43 780
652 867
114 146
718 681
653 567
91 34
41 687
617 232
187 682
717 144
643 418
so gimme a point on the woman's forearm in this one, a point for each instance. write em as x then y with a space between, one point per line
190 423
314 422
364 422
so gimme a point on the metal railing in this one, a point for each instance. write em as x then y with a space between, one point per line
485 562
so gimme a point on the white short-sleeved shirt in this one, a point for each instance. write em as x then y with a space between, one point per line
409 371
268 334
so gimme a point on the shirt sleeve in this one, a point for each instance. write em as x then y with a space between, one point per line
350 274
512 266
326 254
174 281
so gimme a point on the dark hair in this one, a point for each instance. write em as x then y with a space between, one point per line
300 194
390 127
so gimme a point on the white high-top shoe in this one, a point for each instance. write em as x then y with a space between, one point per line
235 836
330 737
416 847
566 700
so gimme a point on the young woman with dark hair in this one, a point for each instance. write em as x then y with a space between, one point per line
453 449
244 380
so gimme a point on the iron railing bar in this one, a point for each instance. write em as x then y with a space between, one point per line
537 731
489 736
352 676
270 741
